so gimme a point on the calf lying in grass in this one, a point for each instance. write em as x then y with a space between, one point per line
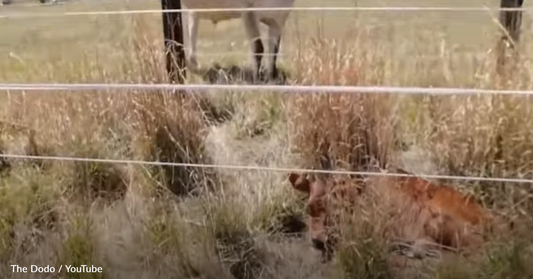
424 213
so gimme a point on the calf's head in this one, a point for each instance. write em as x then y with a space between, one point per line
319 198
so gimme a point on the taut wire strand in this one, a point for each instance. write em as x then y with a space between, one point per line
259 168
321 9
252 88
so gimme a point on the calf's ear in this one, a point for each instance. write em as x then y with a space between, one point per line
299 182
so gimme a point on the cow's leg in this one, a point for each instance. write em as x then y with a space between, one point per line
192 26
274 43
251 26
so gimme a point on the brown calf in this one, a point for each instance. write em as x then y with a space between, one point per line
435 213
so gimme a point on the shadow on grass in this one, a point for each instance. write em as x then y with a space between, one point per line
218 74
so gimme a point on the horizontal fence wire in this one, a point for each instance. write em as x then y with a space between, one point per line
260 168
295 55
279 9
254 88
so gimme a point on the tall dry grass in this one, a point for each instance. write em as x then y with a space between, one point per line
340 131
128 220
472 136
482 135
153 126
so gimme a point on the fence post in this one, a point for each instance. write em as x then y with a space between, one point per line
173 35
511 21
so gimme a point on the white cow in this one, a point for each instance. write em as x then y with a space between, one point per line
275 20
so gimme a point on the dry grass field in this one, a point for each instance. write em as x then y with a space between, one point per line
140 221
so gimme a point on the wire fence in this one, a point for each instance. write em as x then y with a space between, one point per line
255 88
295 55
260 168
250 88
272 9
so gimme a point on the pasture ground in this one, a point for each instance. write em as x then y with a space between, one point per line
161 222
